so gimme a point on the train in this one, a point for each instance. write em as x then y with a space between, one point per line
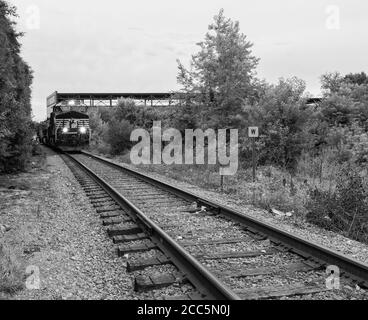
68 131
67 127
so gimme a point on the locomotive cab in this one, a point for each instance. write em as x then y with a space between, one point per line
71 130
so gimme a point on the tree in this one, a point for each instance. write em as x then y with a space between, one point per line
345 99
221 75
341 121
331 82
282 116
356 78
15 95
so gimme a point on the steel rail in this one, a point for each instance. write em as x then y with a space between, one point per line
349 267
193 270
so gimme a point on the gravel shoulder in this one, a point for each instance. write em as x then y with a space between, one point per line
54 228
295 225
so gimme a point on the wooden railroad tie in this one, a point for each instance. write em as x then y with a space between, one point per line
187 297
289 268
109 203
191 243
123 230
92 188
145 263
99 197
233 255
124 249
112 214
108 209
103 200
144 283
283 291
115 220
129 238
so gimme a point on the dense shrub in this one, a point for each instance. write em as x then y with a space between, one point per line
345 209
118 136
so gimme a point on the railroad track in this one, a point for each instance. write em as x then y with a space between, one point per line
173 237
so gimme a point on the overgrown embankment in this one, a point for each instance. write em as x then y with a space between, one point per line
312 157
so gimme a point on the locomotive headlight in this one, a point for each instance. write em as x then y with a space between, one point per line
65 130
83 130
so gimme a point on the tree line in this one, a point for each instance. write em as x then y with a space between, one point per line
15 96
222 90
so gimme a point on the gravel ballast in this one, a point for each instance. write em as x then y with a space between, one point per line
75 257
294 225
180 225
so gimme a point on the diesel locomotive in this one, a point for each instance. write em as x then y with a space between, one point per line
67 127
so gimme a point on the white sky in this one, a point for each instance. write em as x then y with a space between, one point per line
132 46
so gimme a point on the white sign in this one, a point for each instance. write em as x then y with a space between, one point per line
253 132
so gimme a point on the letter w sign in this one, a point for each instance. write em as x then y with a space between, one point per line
253 132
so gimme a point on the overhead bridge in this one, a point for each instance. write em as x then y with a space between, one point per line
89 100
60 101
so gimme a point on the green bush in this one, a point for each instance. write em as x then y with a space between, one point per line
118 136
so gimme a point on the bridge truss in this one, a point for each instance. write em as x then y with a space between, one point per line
86 101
